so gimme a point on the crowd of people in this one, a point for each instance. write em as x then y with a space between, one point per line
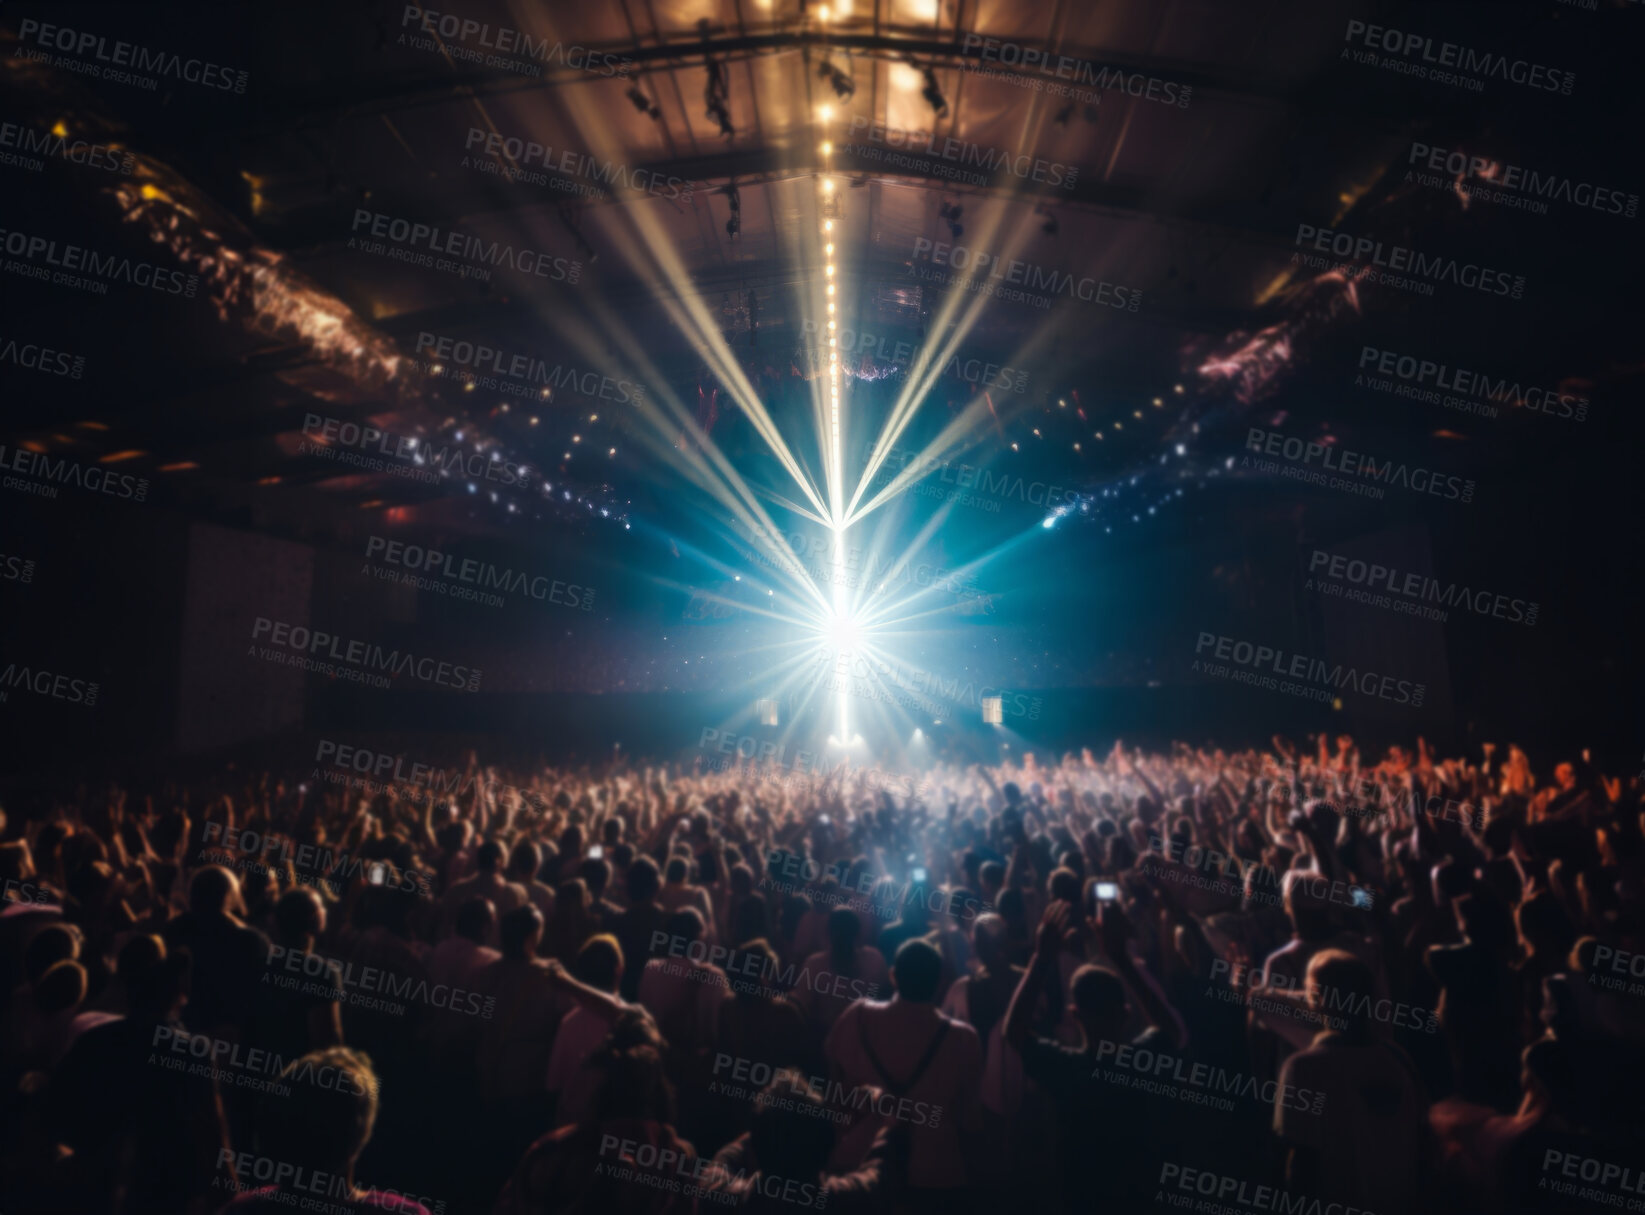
1297 979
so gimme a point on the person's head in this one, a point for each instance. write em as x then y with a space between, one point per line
917 971
214 892
156 980
748 982
52 944
1096 998
572 900
61 988
16 864
611 832
742 880
1308 907
988 940
1341 988
520 932
489 857
684 925
1544 926
791 1132
1065 886
633 1085
844 930
476 920
1565 777
678 871
600 962
596 875
992 876
524 862
321 1125
642 881
1548 1076
299 917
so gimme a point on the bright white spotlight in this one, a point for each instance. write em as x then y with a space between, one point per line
842 632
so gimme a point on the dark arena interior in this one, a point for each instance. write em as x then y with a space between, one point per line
886 606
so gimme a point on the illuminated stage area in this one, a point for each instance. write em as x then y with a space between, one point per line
878 606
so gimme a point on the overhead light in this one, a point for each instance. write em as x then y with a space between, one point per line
826 113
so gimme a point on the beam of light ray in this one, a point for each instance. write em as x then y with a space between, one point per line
703 463
930 360
647 241
955 439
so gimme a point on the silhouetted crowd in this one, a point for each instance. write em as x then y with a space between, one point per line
1298 979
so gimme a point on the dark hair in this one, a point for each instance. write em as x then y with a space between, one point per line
677 870
844 930
1097 994
475 918
791 1132
489 856
599 962
917 971
61 987
321 1124
526 859
686 923
210 891
516 928
298 914
596 875
642 880
52 944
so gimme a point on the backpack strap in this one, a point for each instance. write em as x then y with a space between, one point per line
899 1090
